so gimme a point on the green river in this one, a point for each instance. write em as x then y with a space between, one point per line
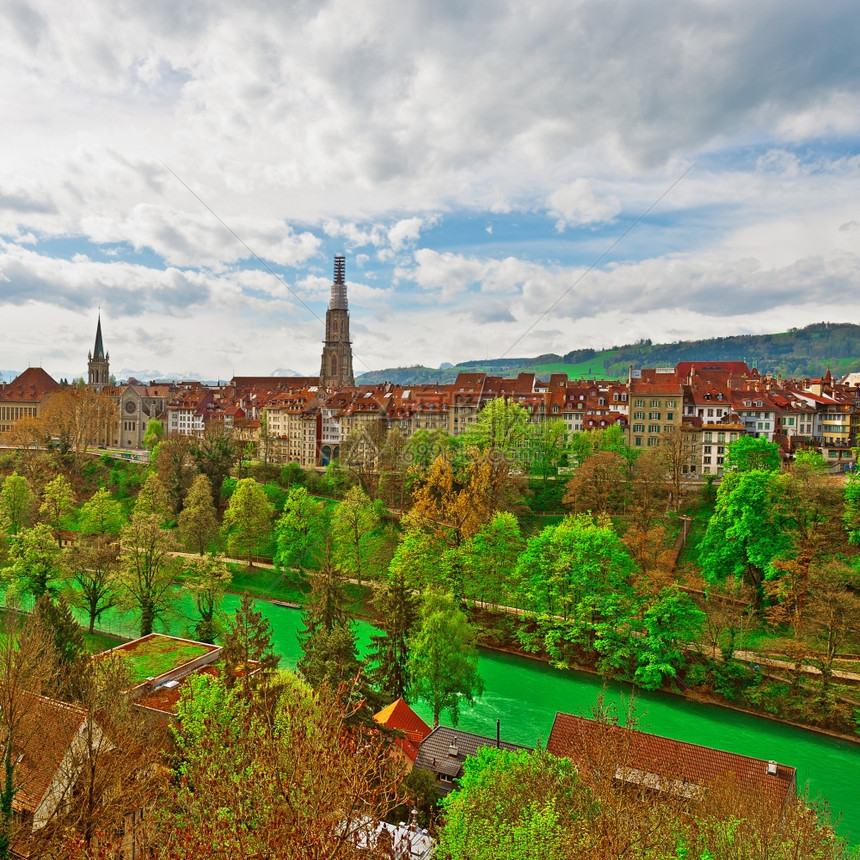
525 694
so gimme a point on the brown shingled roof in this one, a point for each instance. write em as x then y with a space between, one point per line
664 764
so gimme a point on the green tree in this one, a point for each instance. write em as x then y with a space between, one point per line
671 622
598 485
58 501
586 443
70 649
35 560
248 641
548 445
153 498
172 461
248 519
443 660
16 503
490 558
747 531
300 533
752 453
154 434
396 606
214 454
519 805
207 579
198 523
101 515
93 566
502 429
145 580
353 524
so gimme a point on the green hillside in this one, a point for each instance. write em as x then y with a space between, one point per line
798 353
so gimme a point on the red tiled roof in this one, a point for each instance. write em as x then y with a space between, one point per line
40 743
666 764
398 715
30 387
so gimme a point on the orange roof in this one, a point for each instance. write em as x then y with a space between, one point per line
398 715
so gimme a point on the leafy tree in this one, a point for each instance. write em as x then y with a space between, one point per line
35 560
207 579
678 451
172 460
443 660
154 434
248 518
746 532
58 501
214 454
587 443
198 523
501 431
417 555
548 444
598 485
101 515
16 503
301 779
77 417
93 565
353 524
300 533
490 558
751 453
153 499
519 805
145 580
671 622
248 640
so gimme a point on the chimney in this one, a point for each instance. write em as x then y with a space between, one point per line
453 749
771 768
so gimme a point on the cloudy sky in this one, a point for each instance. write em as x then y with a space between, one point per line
477 162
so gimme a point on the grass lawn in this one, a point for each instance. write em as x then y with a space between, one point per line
268 584
159 655
98 642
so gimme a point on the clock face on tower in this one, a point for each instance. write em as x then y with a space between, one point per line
129 406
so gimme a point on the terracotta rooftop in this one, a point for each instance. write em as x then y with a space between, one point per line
398 715
30 387
664 764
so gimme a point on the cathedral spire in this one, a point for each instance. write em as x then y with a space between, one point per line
336 364
99 351
98 364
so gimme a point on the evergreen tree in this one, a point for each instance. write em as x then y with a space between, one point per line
248 640
69 648
396 605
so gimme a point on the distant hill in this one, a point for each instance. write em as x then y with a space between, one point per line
798 352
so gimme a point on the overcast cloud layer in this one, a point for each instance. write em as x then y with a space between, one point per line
162 160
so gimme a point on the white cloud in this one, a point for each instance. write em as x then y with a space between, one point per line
576 204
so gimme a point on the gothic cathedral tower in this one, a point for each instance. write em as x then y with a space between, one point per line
98 363
336 367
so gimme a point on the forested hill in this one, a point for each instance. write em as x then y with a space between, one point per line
799 352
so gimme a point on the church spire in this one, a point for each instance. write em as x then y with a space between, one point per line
336 364
99 351
98 364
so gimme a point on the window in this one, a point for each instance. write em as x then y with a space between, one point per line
653 428
638 428
640 415
721 449
654 416
638 441
670 416
653 442
707 449
706 460
719 461
710 413
708 436
655 404
640 403
721 437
